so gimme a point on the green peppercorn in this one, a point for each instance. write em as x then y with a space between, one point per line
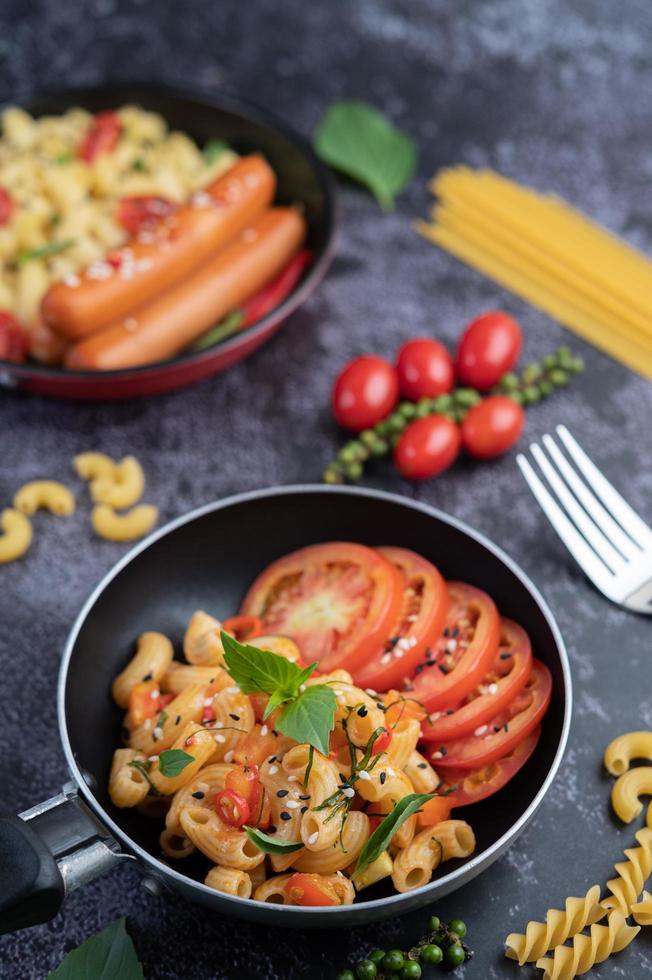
332 476
345 975
509 381
423 408
411 971
408 410
431 954
559 378
354 471
531 373
516 396
381 428
454 955
380 447
466 397
366 970
434 924
367 437
458 927
545 389
441 403
564 351
392 961
550 361
376 956
395 423
575 365
531 395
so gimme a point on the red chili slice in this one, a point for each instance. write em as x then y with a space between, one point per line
504 731
101 137
6 206
232 808
143 212
508 676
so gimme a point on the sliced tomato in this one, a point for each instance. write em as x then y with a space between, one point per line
13 339
232 808
309 889
472 786
434 811
6 206
508 676
145 701
254 748
422 616
505 730
102 136
243 627
462 655
338 601
143 212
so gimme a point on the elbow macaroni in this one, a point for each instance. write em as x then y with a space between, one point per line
46 494
16 535
130 526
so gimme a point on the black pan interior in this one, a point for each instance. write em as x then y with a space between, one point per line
209 562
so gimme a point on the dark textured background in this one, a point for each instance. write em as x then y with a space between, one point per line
555 93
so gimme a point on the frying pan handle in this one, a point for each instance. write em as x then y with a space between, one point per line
47 852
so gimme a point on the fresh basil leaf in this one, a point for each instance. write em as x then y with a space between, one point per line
213 150
44 251
278 697
310 718
268 844
386 829
259 671
361 142
107 955
171 762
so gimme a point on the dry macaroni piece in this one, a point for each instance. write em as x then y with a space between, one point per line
16 535
47 495
130 526
123 487
298 797
626 792
620 752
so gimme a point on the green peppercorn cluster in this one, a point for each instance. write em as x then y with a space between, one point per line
537 381
442 945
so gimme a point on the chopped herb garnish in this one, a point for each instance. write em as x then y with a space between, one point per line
44 251
174 761
138 164
213 150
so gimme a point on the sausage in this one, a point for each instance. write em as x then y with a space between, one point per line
154 259
168 323
45 345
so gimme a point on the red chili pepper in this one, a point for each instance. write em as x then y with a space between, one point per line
273 294
382 742
114 259
6 206
232 808
13 339
207 715
101 137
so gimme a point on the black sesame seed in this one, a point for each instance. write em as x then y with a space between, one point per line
148 677
456 632
422 765
496 728
450 711
304 796
442 749
285 815
419 668
177 720
506 727
271 830
271 759
235 717
198 795
430 663
447 632
362 712
444 669
383 777
282 792
505 655
342 778
303 809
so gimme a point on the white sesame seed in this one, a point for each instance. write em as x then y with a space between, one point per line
233 690
273 770
208 702
341 699
72 280
385 659
451 646
302 687
264 731
480 730
493 689
437 755
157 733
398 653
390 771
228 756
220 738
313 838
218 724
338 694
200 199
348 792
370 691
152 758
363 774
292 804
435 716
413 642
147 723
411 619
292 779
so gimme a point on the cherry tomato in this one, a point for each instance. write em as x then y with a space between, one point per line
309 889
489 347
506 729
462 655
145 701
492 427
472 786
243 627
425 369
427 447
434 811
13 339
508 676
338 601
365 391
102 136
142 213
6 206
422 615
232 808
245 780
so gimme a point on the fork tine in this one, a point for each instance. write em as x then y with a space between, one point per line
611 530
579 549
598 541
626 517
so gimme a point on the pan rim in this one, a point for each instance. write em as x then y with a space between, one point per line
475 863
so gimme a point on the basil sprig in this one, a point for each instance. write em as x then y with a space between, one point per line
386 829
307 715
270 845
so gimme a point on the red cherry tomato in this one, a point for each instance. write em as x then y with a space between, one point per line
365 391
101 137
232 808
309 889
472 786
425 369
492 427
6 206
142 213
489 347
427 447
13 339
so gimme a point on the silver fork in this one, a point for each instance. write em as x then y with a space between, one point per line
604 535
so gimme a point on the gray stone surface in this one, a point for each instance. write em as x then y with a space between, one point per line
557 94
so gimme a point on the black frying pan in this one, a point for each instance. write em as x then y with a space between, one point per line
207 560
